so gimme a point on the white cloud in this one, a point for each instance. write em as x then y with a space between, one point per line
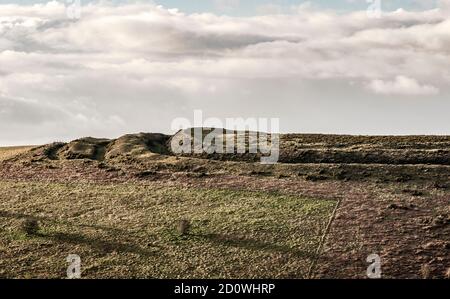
444 5
402 86
144 65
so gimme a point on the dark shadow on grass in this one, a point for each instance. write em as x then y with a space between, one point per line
79 239
7 214
97 244
226 240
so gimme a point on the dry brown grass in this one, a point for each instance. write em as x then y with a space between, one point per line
117 203
9 152
425 271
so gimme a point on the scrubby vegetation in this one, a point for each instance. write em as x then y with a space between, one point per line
294 149
131 230
132 208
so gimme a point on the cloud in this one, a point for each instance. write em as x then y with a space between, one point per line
402 86
29 112
444 5
135 67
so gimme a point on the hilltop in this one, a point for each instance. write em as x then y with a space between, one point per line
331 201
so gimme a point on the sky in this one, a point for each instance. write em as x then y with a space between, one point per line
135 66
255 7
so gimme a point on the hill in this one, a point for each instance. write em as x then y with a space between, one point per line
330 202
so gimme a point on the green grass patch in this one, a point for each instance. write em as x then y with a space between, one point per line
129 230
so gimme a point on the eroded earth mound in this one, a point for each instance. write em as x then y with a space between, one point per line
294 148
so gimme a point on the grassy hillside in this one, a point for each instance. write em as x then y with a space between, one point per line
294 149
332 201
9 152
129 230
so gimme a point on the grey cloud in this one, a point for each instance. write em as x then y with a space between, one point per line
28 112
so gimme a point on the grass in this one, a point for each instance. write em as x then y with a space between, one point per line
130 230
9 152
